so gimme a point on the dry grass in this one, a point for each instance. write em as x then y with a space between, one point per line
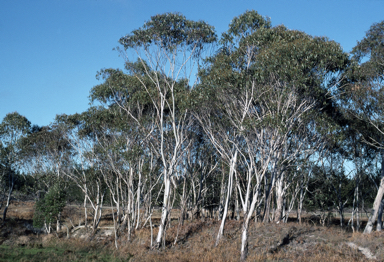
195 240
21 210
306 243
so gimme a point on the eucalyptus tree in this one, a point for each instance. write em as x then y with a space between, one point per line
119 153
311 68
227 93
4 177
365 99
13 127
48 156
80 132
47 152
167 49
363 156
271 88
200 163
123 144
337 180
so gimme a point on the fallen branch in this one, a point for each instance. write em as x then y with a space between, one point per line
366 252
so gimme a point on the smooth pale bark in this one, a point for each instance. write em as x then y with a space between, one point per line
355 211
229 193
130 204
300 204
97 208
8 199
378 199
380 217
222 193
279 208
85 212
237 209
165 211
268 200
183 203
244 233
138 201
279 199
96 211
376 206
182 211
244 240
114 225
58 223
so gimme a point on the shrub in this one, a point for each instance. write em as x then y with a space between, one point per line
47 209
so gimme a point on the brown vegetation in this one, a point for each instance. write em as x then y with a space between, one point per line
195 240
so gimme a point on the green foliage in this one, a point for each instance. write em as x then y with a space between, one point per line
364 97
371 47
13 127
169 31
245 25
47 209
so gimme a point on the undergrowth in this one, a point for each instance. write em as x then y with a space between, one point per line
194 241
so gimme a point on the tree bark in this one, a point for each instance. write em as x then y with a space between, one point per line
267 207
377 203
380 217
244 239
8 199
229 192
164 213
279 200
58 223
376 206
85 211
222 192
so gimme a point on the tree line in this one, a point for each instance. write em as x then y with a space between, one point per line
260 122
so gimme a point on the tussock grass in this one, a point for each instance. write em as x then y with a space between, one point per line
195 241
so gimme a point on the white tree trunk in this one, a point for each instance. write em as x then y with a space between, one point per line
376 206
380 217
58 223
8 199
279 199
164 213
85 211
229 192
244 239
377 203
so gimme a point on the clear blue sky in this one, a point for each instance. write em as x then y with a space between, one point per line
50 50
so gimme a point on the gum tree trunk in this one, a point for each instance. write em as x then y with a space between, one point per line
229 192
164 213
279 199
378 199
380 217
376 206
11 186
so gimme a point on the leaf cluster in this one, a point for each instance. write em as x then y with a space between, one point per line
170 31
48 208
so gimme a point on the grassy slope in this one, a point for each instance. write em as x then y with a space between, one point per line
287 242
50 253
